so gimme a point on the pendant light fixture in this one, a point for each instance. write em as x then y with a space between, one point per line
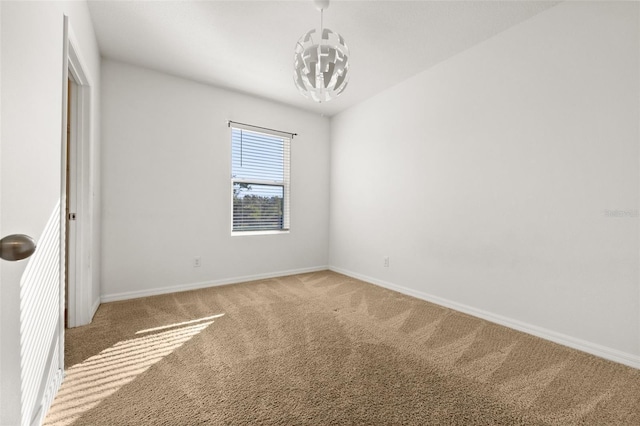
321 62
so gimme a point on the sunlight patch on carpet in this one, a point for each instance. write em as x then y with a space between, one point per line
100 376
179 324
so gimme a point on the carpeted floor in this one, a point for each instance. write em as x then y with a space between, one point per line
320 349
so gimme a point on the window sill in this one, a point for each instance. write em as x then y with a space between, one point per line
247 233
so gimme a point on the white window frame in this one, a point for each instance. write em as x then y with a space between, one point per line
285 183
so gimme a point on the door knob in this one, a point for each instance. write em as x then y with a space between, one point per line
16 247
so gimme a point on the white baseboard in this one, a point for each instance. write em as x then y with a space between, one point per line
49 396
94 309
610 354
105 298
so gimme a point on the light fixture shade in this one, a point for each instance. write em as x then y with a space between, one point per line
321 67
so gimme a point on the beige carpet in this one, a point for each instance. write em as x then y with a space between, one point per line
321 349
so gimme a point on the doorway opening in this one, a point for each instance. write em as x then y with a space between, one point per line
69 208
78 309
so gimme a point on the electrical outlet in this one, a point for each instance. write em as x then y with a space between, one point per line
196 262
386 261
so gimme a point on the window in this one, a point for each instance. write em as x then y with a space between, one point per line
259 180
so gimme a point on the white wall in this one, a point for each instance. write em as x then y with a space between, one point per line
487 178
31 96
166 186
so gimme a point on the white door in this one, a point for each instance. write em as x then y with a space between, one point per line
33 75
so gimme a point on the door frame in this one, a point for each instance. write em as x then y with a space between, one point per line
79 306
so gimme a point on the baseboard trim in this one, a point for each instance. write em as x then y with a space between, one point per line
105 298
94 309
553 336
49 396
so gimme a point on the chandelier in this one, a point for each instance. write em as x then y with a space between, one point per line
321 62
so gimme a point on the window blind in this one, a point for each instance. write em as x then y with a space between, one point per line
260 180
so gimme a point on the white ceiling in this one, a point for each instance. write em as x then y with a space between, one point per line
248 46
